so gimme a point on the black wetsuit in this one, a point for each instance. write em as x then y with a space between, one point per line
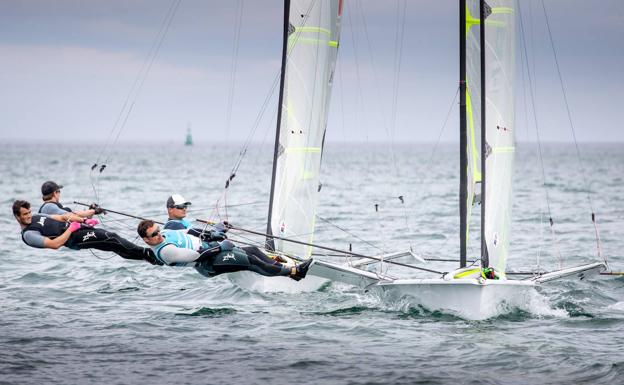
93 238
241 259
88 238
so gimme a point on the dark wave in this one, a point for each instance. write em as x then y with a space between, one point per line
209 312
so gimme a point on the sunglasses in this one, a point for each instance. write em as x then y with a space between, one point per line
155 233
181 207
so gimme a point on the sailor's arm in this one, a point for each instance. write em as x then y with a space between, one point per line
56 242
60 240
171 254
85 213
68 217
94 209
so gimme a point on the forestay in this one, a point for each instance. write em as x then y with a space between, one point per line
313 35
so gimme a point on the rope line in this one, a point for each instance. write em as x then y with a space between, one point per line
539 142
576 145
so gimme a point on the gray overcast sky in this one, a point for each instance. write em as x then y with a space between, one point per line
67 66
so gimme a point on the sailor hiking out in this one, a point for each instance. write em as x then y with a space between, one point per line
211 258
74 232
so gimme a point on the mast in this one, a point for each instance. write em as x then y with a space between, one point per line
269 244
463 137
484 145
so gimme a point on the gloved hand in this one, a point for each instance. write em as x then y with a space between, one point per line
217 236
221 227
91 222
98 210
226 245
74 226
208 236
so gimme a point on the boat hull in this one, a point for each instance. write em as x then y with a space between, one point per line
473 299
258 283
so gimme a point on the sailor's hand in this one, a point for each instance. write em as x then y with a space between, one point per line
226 245
97 209
74 226
222 227
217 236
91 222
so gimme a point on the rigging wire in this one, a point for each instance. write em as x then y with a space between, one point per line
526 124
576 145
398 55
398 50
257 121
377 87
234 66
539 142
131 98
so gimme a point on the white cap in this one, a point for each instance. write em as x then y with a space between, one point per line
177 200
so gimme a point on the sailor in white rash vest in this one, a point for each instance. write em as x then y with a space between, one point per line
178 248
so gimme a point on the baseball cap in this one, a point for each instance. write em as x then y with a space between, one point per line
49 187
177 200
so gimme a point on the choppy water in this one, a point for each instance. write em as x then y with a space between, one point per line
78 317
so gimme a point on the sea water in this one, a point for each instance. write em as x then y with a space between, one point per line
72 317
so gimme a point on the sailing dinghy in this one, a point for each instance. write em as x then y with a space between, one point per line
487 146
310 47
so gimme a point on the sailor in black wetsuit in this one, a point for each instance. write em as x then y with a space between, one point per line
51 195
210 258
70 230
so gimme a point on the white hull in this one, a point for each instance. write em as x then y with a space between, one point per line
473 299
258 283
319 274
469 298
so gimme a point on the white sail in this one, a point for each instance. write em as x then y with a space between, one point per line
312 48
500 129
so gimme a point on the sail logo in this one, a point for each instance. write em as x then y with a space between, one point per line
495 240
282 227
89 235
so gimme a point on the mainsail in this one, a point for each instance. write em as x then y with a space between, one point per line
312 45
495 54
498 74
499 129
473 106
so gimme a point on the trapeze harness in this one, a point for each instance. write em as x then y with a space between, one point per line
45 226
60 206
177 224
178 239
